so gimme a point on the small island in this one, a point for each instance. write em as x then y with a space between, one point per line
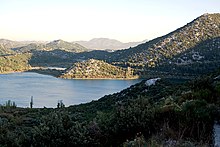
97 69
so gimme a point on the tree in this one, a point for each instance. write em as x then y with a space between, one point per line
60 104
32 102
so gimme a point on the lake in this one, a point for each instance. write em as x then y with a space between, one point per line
47 90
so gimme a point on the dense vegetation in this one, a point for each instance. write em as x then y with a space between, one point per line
201 59
161 49
4 50
165 113
56 44
188 51
14 63
96 69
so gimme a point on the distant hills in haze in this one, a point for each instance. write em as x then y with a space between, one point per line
192 49
76 46
162 110
107 44
27 46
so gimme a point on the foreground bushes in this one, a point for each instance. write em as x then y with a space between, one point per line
163 114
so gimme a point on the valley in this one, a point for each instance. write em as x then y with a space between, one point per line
190 50
176 101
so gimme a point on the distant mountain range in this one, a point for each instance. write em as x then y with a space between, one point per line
107 44
14 44
190 50
8 46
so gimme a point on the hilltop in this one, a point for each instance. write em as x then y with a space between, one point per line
53 45
10 44
189 51
152 53
95 69
67 46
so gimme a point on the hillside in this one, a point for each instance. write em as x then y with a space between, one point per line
95 69
14 63
107 44
29 47
67 46
10 44
189 51
199 60
53 45
4 50
160 50
154 112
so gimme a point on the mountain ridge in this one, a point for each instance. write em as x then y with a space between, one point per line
154 51
158 55
107 44
53 45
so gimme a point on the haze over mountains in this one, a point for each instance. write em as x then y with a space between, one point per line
193 48
109 44
53 45
166 112
76 46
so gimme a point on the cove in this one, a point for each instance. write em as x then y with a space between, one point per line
48 90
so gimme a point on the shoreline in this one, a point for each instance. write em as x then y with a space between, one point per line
51 72
100 78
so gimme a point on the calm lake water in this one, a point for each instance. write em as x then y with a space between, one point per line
47 90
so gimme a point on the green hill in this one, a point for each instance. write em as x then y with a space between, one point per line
14 63
188 51
152 53
4 50
154 112
67 46
199 60
53 45
95 69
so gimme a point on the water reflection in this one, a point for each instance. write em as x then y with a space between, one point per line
47 90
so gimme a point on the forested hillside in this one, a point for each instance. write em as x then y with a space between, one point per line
53 45
96 69
201 59
155 112
14 63
152 53
188 51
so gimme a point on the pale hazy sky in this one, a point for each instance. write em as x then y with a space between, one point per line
71 20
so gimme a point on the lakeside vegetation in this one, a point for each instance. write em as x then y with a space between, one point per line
14 63
164 113
96 69
191 50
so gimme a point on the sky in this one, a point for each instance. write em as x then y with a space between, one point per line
73 20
